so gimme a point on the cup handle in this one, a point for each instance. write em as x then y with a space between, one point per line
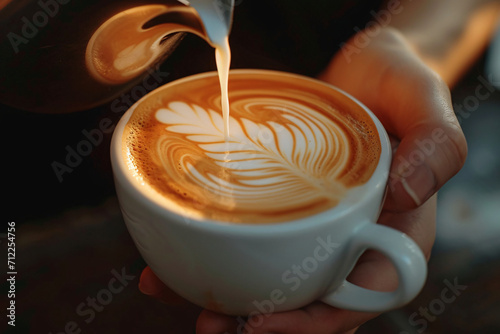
406 257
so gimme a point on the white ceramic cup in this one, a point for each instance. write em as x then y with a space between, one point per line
244 269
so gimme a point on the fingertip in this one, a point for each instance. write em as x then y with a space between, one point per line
409 187
428 156
149 283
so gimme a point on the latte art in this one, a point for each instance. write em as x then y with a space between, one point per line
294 149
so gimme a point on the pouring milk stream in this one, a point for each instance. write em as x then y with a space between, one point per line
216 16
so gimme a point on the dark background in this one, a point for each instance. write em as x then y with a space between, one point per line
70 236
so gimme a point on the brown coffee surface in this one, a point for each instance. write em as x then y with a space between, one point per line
295 147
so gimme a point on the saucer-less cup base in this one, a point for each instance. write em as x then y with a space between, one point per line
242 269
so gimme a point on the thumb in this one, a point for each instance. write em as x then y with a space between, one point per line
425 159
414 104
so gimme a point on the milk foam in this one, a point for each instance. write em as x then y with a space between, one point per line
291 152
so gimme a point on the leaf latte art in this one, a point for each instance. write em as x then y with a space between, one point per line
294 149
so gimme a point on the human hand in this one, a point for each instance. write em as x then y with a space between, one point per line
414 105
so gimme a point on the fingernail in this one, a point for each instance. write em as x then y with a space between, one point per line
418 182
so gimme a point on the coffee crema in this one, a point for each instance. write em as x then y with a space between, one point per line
295 147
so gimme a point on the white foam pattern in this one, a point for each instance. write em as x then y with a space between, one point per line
264 165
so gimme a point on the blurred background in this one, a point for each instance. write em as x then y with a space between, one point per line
71 241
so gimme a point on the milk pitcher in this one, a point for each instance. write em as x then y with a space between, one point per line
60 56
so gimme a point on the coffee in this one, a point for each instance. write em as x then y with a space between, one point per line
296 147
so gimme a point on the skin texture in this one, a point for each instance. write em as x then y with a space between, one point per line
448 35
404 79
414 105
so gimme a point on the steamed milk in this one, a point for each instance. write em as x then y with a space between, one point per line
294 149
223 60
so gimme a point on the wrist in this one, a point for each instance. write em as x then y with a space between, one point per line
449 36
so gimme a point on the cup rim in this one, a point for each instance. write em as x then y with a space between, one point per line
377 179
